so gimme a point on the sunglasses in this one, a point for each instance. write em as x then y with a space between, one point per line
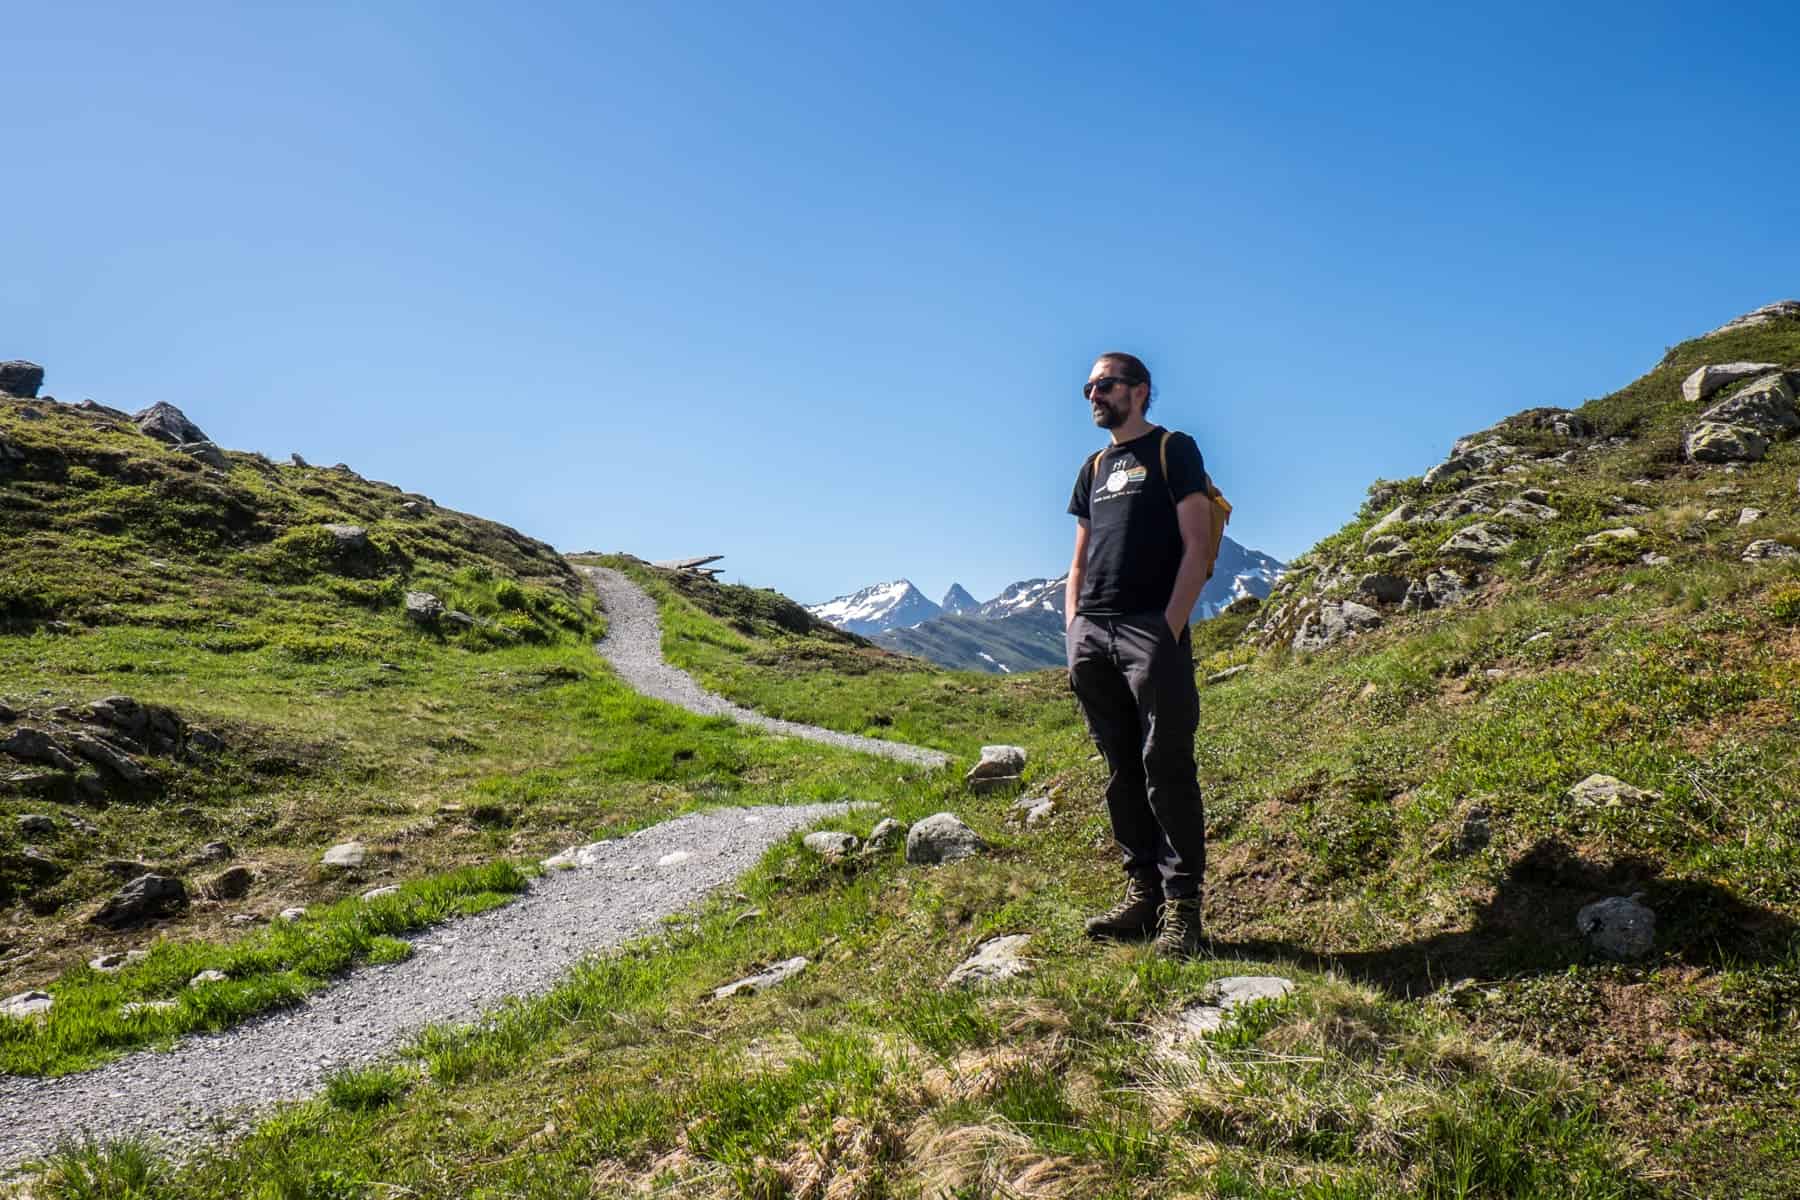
1104 385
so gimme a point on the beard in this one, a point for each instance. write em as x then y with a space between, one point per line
1108 417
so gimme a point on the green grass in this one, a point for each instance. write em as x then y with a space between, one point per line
1451 1034
272 967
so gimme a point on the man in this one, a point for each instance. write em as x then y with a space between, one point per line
1142 544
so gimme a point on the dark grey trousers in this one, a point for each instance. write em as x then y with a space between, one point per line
1135 683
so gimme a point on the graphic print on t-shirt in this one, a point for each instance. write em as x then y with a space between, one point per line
1127 473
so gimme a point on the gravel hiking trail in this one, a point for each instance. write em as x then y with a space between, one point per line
633 645
213 1084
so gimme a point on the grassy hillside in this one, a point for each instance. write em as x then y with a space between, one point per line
1394 831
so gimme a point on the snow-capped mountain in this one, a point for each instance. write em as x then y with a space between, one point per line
1027 595
896 605
1021 629
957 600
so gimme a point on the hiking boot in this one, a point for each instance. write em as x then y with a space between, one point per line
1178 933
1131 918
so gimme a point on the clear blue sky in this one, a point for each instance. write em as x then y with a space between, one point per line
815 286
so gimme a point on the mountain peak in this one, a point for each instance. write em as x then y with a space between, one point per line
958 600
896 604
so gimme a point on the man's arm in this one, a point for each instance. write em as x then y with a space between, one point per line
1195 513
1077 568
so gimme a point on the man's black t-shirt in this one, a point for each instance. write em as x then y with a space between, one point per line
1134 539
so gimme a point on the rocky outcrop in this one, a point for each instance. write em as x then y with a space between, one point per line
1781 309
1711 442
166 423
1482 542
207 453
146 897
20 378
1439 589
1769 550
1334 622
1709 379
1765 404
423 608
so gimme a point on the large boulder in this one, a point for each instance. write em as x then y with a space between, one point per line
1398 517
345 856
34 745
1765 404
20 378
166 423
942 838
1382 588
1000 767
1713 442
1481 541
351 539
1780 310
147 896
1709 379
1334 622
206 452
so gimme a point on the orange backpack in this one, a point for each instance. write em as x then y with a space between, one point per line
1221 506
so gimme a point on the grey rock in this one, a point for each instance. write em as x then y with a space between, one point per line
1388 546
1476 832
1653 559
1401 515
26 1005
1446 589
34 745
1480 541
781 972
103 753
1521 509
1382 588
40 865
345 856
36 825
206 977
233 883
20 378
1624 533
143 898
206 452
108 963
1750 516
204 743
995 960
998 762
1780 310
1229 673
462 620
1704 381
831 843
1712 442
294 460
942 838
352 538
1228 994
1605 791
1618 927
887 834
1334 622
214 852
1455 465
392 889
166 423
291 914
1761 550
1765 404
11 455
424 608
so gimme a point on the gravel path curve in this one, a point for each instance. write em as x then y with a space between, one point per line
633 645
213 1083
